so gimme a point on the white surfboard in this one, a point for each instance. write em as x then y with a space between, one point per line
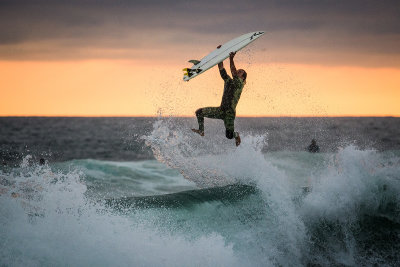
219 54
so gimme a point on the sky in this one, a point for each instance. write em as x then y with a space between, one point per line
125 58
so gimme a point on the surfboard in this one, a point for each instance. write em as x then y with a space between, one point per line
219 54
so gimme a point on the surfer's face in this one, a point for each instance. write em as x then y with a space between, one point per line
241 74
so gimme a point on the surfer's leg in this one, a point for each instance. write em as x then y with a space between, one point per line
212 113
229 127
200 120
229 121
208 112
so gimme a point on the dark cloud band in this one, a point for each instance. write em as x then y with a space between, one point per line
77 29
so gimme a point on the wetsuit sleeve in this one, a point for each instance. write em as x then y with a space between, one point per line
224 75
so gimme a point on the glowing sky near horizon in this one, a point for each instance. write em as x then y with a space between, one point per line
124 58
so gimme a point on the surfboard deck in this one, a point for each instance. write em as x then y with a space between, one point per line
219 54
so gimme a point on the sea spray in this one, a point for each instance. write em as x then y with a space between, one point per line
331 220
356 189
331 208
57 225
281 231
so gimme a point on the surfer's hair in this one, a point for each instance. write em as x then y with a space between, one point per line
244 75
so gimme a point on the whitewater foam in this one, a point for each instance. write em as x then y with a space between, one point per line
58 225
349 216
283 231
344 187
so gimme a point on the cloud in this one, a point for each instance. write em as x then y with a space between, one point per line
360 32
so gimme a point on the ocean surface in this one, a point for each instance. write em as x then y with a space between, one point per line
150 192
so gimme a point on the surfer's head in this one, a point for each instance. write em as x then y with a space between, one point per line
242 74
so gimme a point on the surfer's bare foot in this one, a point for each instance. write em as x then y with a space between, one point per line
237 139
201 133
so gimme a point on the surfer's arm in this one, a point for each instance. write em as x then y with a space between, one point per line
223 73
233 68
221 64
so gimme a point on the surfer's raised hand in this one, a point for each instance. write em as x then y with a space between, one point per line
233 68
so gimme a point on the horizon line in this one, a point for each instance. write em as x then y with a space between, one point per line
187 116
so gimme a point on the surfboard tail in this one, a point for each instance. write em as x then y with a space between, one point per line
187 73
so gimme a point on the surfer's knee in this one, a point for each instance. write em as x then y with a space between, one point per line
229 134
199 112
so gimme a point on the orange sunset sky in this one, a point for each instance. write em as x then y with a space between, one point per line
125 58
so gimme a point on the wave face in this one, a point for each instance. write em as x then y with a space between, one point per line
204 202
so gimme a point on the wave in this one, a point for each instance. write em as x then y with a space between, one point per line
241 207
349 191
47 220
109 179
225 194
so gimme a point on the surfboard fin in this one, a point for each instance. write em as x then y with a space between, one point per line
194 61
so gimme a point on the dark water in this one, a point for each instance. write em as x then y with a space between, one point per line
149 192
60 139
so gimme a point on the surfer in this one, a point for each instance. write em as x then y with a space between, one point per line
230 98
313 147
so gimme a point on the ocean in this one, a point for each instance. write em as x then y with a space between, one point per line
150 192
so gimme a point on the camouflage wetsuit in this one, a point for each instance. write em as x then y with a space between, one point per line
227 110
